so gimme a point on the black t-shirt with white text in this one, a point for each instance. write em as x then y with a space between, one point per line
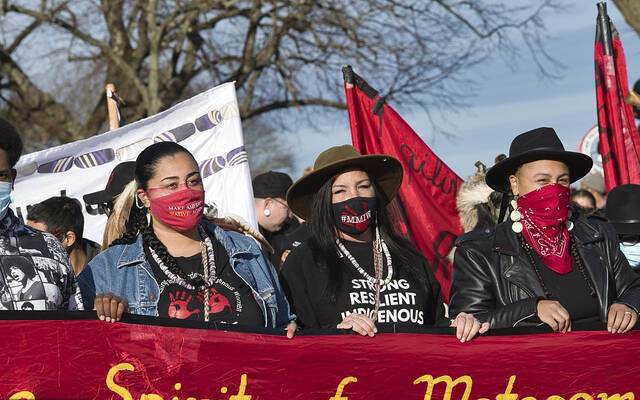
404 300
231 300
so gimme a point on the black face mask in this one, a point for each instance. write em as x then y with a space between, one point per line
354 216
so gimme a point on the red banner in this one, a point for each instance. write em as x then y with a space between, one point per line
429 189
67 359
619 140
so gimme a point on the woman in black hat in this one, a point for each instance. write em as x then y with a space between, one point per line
543 265
354 271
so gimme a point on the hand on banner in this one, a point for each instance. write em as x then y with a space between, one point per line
291 330
359 323
110 307
621 318
553 314
467 326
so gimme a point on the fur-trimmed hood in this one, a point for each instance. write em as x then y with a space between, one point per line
473 193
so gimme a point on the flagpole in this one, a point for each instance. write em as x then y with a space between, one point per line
605 28
112 106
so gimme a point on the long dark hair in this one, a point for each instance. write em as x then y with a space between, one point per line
325 251
146 165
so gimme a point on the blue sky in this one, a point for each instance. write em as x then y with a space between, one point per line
509 100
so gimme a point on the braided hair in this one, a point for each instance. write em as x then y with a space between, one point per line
137 224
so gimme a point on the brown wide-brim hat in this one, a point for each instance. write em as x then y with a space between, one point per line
384 170
534 145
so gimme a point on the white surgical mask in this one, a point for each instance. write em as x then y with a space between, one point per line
632 253
5 198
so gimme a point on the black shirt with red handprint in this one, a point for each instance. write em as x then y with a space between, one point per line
230 298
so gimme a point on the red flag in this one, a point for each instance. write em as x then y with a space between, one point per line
429 188
619 141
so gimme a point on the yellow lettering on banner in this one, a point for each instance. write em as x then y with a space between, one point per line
528 398
626 396
554 397
150 396
431 383
344 382
115 388
583 396
243 386
507 395
24 395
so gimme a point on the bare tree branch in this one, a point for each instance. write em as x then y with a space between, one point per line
282 54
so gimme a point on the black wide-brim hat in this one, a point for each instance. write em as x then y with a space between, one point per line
537 144
623 209
120 177
384 170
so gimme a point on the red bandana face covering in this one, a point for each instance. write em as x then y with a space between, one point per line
181 210
544 212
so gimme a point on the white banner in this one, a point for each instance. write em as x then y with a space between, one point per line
207 124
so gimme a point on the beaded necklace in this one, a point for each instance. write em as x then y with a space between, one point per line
379 246
208 265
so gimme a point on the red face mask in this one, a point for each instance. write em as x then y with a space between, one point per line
181 210
544 212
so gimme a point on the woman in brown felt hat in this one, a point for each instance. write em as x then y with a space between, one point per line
354 271
544 264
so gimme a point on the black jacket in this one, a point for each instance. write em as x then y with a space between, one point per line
492 277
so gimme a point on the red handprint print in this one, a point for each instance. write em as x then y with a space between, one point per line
178 308
217 302
352 218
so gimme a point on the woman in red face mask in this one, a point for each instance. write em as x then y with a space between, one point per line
545 264
354 272
172 264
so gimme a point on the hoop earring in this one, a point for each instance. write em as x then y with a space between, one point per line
139 205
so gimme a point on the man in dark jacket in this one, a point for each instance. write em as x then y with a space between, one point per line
275 219
543 265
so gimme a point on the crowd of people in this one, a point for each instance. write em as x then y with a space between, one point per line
326 255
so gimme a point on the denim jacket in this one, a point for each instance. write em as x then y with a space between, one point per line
124 271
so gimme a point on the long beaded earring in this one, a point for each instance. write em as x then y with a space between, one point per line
515 216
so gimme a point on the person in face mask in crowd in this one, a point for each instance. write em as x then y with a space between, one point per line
354 272
623 211
189 268
544 265
34 259
62 217
275 219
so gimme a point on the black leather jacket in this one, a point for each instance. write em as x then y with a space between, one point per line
492 277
